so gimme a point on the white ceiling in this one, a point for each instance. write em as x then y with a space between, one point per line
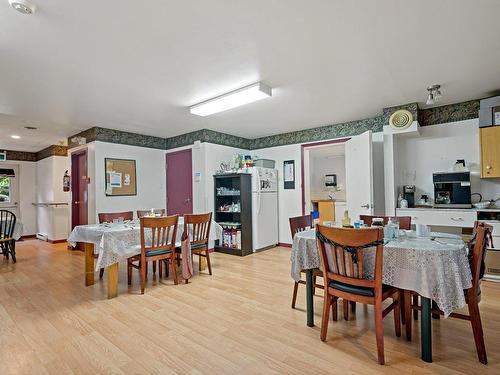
136 65
327 151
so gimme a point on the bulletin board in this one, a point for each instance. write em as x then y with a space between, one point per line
120 177
289 174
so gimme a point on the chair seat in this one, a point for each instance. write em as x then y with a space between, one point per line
359 290
157 252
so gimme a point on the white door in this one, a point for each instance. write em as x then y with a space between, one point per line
359 175
9 189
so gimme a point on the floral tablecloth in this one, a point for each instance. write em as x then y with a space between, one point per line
114 242
435 267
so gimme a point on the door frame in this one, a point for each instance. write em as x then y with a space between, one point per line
74 181
188 150
303 148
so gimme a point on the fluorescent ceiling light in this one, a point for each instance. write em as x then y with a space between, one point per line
236 98
15 136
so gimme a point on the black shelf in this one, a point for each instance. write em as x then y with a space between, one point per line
243 183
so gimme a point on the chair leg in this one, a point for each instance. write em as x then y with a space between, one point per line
146 271
174 271
167 272
379 332
414 301
314 284
397 313
477 329
208 263
13 250
334 308
294 295
326 314
143 269
408 322
154 267
129 273
345 306
402 305
101 273
353 307
160 269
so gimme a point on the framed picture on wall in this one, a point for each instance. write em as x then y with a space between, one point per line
120 177
289 174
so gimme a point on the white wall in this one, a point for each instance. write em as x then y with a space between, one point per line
27 189
321 166
150 173
436 150
52 221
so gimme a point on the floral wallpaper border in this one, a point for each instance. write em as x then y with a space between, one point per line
20 155
430 116
53 150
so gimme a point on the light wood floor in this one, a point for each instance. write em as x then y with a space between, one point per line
238 321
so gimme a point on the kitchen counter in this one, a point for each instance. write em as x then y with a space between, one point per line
473 209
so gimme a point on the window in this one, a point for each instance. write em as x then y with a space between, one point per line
5 189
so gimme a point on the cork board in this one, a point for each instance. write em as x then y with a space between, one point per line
120 177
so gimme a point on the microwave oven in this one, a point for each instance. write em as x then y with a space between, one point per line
452 190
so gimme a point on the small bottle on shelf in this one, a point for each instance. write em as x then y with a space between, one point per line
233 238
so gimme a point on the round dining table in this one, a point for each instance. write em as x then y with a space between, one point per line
435 266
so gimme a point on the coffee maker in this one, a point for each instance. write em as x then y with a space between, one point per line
409 195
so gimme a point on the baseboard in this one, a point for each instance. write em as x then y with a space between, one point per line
56 241
28 237
284 244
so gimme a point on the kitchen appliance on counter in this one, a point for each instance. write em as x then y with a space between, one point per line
409 195
452 190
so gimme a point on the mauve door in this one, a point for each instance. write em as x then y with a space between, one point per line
179 183
79 191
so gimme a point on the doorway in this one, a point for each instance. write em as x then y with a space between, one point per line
9 188
79 190
179 182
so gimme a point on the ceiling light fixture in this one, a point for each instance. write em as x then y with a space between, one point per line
23 6
233 99
15 136
434 94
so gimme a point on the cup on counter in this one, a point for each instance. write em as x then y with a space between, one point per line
423 230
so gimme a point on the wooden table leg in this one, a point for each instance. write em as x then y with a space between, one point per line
113 281
425 329
89 264
202 264
309 298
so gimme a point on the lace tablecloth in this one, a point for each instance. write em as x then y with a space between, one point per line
118 241
435 267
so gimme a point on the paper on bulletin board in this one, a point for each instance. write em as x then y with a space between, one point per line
126 179
289 172
115 179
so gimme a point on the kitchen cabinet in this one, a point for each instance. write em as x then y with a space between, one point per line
490 152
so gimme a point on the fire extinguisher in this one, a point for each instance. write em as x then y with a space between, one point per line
66 181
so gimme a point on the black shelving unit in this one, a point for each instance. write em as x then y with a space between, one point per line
237 188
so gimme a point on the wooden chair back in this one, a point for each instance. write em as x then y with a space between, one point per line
163 234
404 221
477 251
300 223
198 226
7 224
108 217
342 251
157 211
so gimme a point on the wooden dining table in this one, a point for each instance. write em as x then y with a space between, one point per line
436 267
114 242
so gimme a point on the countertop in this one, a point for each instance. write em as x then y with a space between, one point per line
495 209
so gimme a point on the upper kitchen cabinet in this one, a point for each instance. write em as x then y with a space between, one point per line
490 152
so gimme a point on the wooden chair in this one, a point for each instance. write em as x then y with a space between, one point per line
299 224
157 211
160 248
7 241
404 221
108 217
198 228
343 276
472 295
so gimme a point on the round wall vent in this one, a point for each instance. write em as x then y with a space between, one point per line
22 6
401 119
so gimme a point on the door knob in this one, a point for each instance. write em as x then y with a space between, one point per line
365 206
76 202
187 200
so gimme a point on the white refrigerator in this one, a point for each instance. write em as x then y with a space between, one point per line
264 208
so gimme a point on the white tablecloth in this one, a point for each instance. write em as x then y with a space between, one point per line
115 242
18 230
435 267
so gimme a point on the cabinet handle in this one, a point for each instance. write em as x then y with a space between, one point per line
488 167
415 217
457 219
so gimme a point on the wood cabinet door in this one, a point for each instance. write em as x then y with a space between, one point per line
490 152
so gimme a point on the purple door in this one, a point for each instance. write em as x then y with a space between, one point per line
179 183
79 191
